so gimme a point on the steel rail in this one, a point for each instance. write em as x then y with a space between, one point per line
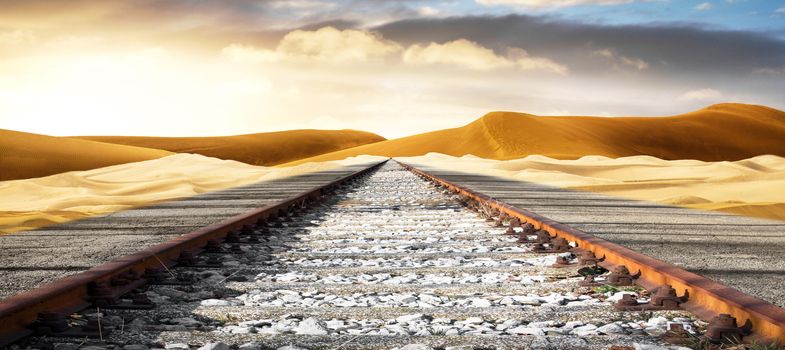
707 298
72 293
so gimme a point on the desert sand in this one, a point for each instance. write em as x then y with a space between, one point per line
24 155
752 187
266 149
31 203
719 132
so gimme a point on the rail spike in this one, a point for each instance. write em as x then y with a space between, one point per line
663 298
724 329
620 276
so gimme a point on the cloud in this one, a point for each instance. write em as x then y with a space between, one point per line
701 95
469 54
428 11
780 10
770 71
550 3
14 37
703 6
618 61
679 51
325 44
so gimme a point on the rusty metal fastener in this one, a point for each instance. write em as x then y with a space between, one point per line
589 281
723 328
557 245
102 294
665 298
500 220
587 257
514 222
154 274
213 246
562 261
141 299
186 258
49 322
232 237
543 237
620 276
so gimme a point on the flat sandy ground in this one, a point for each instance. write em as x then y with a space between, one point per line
752 187
31 203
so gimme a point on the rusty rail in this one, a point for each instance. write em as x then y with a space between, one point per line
72 293
707 297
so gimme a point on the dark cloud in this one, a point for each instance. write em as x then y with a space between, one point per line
680 48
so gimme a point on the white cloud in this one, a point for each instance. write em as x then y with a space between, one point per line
703 6
701 95
325 44
780 10
770 71
468 54
14 37
637 63
551 3
428 11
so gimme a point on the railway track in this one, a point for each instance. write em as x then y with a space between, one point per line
389 261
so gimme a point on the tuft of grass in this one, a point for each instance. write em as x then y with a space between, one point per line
606 288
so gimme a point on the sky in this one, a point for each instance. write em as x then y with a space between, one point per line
396 68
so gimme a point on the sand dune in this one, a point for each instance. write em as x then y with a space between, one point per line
719 132
752 187
25 155
30 203
266 149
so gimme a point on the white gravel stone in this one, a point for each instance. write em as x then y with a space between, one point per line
176 346
480 302
585 330
215 346
311 326
251 346
611 328
405 319
216 302
416 347
523 330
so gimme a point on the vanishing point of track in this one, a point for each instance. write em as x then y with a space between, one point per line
380 259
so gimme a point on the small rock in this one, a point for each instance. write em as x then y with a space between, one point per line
480 302
176 346
617 296
657 347
416 347
409 318
542 324
612 328
251 346
588 329
215 346
311 326
473 320
215 302
526 331
135 347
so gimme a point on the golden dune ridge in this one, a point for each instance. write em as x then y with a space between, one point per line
720 132
25 155
751 187
31 203
266 149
